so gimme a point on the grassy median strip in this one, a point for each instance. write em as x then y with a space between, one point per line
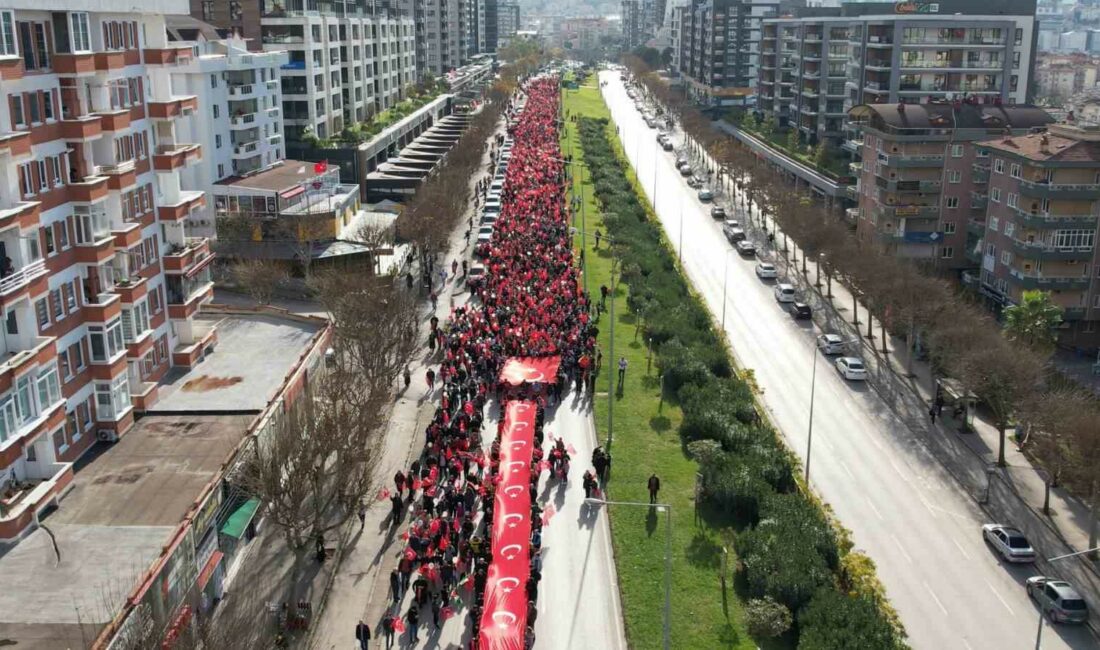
646 441
691 415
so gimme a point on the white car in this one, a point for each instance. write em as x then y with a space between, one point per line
851 368
784 292
1009 543
830 344
766 271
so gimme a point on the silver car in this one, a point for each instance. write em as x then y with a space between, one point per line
766 271
1008 542
830 344
1058 600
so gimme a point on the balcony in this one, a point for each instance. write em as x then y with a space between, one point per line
243 91
18 143
1045 220
119 176
975 227
1042 251
910 211
978 199
187 259
13 283
110 61
898 185
1073 313
173 157
24 499
173 56
1076 283
74 64
243 121
89 190
980 173
905 160
115 120
186 295
173 108
23 214
84 128
181 209
1046 190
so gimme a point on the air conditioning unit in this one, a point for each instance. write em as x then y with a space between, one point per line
106 435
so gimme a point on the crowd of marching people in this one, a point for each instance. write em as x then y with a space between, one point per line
529 305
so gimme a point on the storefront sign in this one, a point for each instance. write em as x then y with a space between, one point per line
917 8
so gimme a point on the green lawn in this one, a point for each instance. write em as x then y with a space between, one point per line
705 614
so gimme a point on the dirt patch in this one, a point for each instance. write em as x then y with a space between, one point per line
204 383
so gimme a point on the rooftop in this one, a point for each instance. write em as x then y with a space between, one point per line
1047 147
254 355
961 115
126 502
278 177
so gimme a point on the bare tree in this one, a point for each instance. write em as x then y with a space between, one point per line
260 279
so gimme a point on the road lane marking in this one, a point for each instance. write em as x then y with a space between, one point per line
897 469
844 466
961 549
927 505
1000 598
875 510
903 552
935 598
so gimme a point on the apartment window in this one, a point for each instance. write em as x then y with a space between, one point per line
35 111
234 10
47 105
49 388
217 141
81 34
217 113
994 223
214 82
113 399
956 151
26 179
221 170
954 176
999 165
1019 36
1014 170
76 352
1073 238
7 34
1010 228
1006 257
32 42
949 228
947 252
1015 60
1012 199
84 414
951 202
995 194
54 163
17 117
106 341
42 311
58 306
208 10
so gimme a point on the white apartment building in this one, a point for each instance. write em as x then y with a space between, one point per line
343 66
240 96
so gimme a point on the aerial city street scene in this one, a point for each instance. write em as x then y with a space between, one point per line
571 325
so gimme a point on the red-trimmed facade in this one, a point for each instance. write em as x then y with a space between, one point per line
90 202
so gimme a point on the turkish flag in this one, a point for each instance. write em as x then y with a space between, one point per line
321 167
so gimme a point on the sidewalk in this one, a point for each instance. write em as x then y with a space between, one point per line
1012 495
360 590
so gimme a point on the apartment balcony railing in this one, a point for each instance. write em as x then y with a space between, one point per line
242 121
13 282
1045 220
911 160
1043 189
1027 281
1044 251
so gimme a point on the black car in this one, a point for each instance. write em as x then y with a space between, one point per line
801 311
666 145
718 212
686 170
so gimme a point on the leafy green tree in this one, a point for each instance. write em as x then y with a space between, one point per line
666 57
766 618
768 126
792 140
749 121
649 55
835 621
1033 322
822 158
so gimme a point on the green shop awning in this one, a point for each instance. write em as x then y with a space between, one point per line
239 520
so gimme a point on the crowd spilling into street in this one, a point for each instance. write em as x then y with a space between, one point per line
530 305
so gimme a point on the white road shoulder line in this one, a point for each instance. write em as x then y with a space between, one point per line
901 548
935 598
875 510
961 549
1000 598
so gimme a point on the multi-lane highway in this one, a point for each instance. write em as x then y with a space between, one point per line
903 509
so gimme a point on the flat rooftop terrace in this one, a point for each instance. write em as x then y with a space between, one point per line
253 356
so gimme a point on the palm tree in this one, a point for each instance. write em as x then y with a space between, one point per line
1034 320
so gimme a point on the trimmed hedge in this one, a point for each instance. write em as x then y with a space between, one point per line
789 551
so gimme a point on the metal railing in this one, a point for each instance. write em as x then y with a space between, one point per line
20 278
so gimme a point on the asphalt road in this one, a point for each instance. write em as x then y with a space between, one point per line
903 509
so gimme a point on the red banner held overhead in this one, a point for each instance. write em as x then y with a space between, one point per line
517 370
504 619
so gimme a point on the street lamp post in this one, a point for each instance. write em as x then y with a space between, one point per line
810 425
725 279
1039 634
667 509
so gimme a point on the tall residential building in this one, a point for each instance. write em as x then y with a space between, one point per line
507 22
633 35
241 98
441 33
719 46
482 27
101 277
882 56
922 188
347 62
1041 224
239 18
